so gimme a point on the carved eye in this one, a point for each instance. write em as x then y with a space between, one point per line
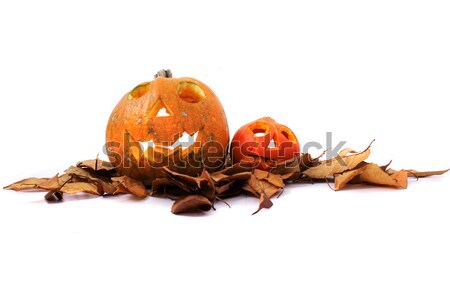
259 129
139 91
288 134
190 92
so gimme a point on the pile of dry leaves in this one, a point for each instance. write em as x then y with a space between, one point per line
200 193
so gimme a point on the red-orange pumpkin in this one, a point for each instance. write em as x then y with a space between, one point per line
175 123
265 143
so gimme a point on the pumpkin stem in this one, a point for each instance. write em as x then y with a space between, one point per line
164 73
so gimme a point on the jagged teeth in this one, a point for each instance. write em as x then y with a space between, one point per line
185 141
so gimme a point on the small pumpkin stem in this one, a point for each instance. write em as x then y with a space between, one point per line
164 73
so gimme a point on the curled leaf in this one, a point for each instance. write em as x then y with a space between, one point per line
340 180
103 181
96 165
338 164
191 203
375 175
207 187
130 186
264 202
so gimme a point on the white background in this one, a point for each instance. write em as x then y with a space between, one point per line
359 69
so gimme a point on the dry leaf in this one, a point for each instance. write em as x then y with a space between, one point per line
306 161
207 187
80 187
131 185
103 181
231 185
234 169
218 176
274 179
26 184
159 184
338 164
203 184
402 178
340 180
191 203
50 184
419 174
224 189
229 178
96 165
263 187
264 202
375 175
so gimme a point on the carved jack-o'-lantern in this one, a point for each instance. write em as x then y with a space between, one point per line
168 122
265 143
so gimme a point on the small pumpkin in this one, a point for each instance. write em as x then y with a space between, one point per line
265 143
177 123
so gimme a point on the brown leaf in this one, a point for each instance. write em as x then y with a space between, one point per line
402 178
262 187
63 178
223 189
340 180
293 176
375 175
26 184
306 161
191 203
133 186
191 180
96 165
50 184
159 184
218 176
120 189
419 174
230 185
248 188
234 169
287 166
235 177
338 164
207 187
79 187
102 181
203 184
274 179
264 202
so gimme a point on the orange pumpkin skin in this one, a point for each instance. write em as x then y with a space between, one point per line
265 143
157 114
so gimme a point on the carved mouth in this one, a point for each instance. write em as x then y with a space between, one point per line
184 141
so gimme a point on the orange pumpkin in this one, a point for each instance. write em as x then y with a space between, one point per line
264 143
168 122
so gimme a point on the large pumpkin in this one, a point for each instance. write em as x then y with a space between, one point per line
264 143
168 122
